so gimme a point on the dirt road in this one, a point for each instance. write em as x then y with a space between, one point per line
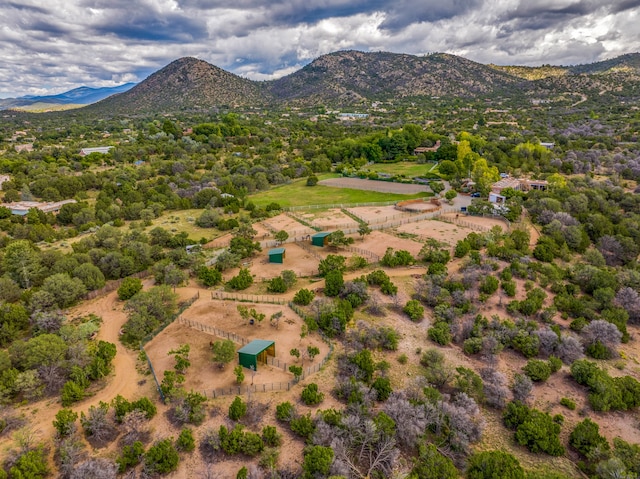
123 379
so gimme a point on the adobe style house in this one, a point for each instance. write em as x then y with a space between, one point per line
424 149
517 184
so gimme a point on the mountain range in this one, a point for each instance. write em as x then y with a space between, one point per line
351 78
83 95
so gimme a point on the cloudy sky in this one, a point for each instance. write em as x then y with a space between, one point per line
50 46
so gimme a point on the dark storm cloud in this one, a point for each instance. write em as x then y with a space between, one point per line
170 28
407 12
625 5
32 8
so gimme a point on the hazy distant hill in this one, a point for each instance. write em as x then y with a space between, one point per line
83 95
187 83
352 77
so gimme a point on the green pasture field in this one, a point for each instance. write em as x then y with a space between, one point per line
297 193
406 168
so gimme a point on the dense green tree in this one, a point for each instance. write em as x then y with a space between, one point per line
494 465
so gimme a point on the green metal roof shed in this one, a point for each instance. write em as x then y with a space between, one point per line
320 239
276 255
256 351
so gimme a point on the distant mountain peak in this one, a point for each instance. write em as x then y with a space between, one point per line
352 77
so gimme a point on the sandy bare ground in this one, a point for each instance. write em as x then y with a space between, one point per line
378 241
445 232
375 185
288 224
203 375
332 218
378 214
485 223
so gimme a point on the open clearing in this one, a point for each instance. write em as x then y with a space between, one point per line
375 185
297 193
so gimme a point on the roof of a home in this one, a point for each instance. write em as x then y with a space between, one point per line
276 251
321 234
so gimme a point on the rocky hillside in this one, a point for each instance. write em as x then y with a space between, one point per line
353 77
186 84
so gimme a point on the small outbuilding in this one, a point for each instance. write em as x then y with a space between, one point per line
320 239
276 255
256 351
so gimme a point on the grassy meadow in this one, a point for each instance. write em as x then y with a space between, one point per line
297 193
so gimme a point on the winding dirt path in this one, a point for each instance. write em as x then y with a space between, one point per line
122 380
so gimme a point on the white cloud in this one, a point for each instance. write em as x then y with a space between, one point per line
68 43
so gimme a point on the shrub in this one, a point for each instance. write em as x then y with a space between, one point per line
311 396
237 409
586 438
534 429
238 371
242 281
277 285
333 283
568 403
440 333
462 248
162 457
509 288
494 465
186 442
317 461
537 370
129 288
237 441
489 285
209 276
472 345
64 422
32 464
121 407
303 297
71 392
606 393
414 310
271 437
285 411
296 371
382 387
433 465
302 426
130 456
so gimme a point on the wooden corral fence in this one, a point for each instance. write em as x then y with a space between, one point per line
158 330
267 387
247 298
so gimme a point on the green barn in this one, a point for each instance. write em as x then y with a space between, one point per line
276 255
320 239
256 351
